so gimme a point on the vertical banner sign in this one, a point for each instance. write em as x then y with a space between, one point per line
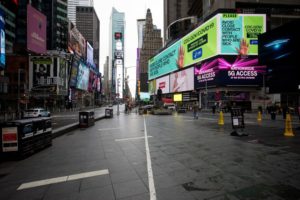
9 139
2 40
36 30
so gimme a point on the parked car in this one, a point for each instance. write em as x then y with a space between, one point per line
36 112
170 106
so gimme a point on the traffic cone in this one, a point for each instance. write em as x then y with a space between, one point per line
288 126
259 116
221 119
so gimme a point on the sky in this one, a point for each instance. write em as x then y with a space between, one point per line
133 9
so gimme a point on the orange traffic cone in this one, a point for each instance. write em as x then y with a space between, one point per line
288 126
221 119
259 118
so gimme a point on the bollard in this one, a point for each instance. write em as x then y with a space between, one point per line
221 119
259 118
288 126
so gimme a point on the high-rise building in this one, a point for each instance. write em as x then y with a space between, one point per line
89 26
140 28
116 52
175 13
152 42
72 4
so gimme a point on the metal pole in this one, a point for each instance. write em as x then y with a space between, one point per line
18 109
118 95
206 95
264 91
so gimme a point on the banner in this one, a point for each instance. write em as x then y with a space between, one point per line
164 84
36 31
2 40
182 80
82 77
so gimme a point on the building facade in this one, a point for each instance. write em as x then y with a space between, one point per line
116 53
88 24
152 42
174 10
140 30
72 4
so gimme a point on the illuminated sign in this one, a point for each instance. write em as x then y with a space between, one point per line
118 35
177 97
223 34
182 80
220 71
164 84
2 40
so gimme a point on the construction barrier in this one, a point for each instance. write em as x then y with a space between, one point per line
221 118
288 126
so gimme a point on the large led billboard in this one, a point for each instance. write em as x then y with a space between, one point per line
36 31
164 84
182 80
2 40
226 71
77 42
226 34
152 87
83 77
74 72
89 54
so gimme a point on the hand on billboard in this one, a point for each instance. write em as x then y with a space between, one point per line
180 57
244 47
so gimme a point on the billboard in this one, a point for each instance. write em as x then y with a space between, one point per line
226 71
119 81
74 72
145 96
177 97
89 54
152 87
82 76
2 40
226 34
164 84
165 62
77 42
182 80
36 31
239 33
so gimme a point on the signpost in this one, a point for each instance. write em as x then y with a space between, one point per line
237 121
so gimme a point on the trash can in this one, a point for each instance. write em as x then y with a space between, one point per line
86 119
273 115
109 112
26 136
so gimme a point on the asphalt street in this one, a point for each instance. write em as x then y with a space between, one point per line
142 157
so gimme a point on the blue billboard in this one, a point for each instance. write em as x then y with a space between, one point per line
2 40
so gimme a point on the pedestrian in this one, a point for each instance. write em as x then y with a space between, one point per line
195 110
214 108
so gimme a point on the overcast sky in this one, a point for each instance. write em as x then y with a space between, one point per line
133 9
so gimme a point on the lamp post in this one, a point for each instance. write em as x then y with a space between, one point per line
192 18
118 95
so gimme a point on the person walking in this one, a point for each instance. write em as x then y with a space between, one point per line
195 110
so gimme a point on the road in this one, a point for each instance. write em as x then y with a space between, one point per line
141 157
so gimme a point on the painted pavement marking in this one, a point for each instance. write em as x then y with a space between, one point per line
107 129
152 190
133 138
62 179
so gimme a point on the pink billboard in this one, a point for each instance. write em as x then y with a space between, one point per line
36 31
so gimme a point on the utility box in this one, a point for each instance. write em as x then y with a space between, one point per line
109 112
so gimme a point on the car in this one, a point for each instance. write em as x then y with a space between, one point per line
170 106
36 112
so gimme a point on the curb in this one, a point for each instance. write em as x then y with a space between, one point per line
65 129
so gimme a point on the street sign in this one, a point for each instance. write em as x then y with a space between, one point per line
237 118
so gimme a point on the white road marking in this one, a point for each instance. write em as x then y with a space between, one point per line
62 179
133 138
107 129
152 190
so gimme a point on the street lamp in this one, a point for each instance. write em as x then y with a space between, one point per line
118 95
192 18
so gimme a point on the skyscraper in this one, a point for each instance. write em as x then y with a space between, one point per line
140 28
72 8
89 26
116 52
152 42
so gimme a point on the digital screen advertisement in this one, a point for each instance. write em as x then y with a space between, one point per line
74 72
225 71
165 62
2 40
89 54
144 96
36 31
152 87
164 84
177 97
83 76
239 33
223 34
77 42
182 80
